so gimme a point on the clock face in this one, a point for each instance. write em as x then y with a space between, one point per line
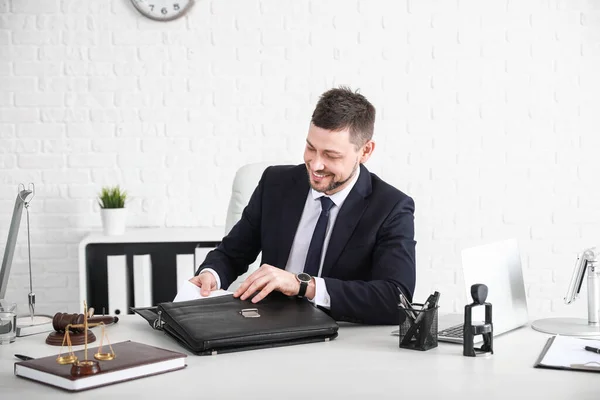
162 10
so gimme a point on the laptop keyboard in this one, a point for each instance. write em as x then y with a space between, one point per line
453 332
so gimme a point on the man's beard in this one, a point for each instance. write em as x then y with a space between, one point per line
334 185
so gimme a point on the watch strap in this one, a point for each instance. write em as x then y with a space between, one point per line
302 291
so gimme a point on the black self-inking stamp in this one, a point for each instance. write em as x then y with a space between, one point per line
479 294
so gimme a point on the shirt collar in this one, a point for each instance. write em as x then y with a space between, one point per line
339 197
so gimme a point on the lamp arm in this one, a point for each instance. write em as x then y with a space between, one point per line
593 293
586 260
12 240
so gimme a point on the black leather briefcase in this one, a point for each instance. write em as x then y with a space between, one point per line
227 324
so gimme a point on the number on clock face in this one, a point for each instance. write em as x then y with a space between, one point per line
162 10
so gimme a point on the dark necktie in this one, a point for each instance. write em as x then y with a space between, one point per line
315 249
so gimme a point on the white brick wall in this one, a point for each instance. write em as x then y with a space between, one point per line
487 116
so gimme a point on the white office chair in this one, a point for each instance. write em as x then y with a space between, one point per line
245 181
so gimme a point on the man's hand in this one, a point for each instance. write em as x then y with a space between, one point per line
267 279
206 282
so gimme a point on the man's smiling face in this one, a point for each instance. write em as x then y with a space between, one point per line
331 159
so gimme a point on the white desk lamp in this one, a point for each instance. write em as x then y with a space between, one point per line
588 259
31 324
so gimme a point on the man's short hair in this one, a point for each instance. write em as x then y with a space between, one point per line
342 108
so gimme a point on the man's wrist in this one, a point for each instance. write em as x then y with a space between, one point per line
214 274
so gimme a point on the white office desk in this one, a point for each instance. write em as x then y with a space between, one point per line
362 363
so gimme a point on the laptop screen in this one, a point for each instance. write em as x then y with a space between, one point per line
498 266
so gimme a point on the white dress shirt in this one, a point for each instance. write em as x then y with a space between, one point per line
304 233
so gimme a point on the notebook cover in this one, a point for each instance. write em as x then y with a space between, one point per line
128 355
216 324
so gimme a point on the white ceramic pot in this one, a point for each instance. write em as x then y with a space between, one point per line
113 220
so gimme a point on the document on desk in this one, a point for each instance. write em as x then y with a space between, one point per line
567 352
189 291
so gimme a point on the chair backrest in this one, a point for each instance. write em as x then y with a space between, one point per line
245 181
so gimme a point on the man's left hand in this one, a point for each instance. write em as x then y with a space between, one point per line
267 279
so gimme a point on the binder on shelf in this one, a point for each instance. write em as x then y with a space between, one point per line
185 269
116 268
142 280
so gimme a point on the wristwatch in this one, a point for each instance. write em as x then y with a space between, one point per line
304 280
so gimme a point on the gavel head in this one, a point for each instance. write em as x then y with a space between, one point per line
61 320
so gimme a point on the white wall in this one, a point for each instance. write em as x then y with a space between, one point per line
487 116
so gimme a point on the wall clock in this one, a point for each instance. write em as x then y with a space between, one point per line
163 10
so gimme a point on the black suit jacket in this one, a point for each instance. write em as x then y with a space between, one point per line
371 251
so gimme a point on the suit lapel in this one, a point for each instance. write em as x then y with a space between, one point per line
347 219
292 206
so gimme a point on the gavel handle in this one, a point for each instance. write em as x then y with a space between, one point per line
107 319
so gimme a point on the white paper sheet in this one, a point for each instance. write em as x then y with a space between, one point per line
189 291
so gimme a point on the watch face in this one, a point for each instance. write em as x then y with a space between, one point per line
162 10
302 277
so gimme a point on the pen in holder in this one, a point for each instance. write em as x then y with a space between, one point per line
418 327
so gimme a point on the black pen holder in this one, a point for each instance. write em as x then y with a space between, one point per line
418 328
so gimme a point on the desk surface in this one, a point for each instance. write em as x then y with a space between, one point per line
363 362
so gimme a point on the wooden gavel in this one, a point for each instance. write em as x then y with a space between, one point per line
62 320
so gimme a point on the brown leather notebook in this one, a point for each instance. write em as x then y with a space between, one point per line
133 360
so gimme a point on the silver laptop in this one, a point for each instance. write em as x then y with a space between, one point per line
498 266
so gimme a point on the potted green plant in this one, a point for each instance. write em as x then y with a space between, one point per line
112 210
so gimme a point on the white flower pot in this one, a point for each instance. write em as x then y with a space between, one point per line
113 220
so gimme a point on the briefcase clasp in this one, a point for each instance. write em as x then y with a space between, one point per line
158 323
250 313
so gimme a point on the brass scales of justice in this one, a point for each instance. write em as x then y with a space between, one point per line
86 366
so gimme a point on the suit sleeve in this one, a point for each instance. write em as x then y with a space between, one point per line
375 301
242 244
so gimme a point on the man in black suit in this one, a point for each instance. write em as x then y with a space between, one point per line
328 229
